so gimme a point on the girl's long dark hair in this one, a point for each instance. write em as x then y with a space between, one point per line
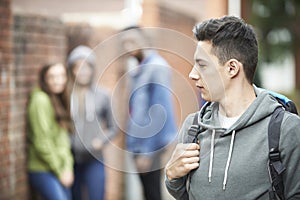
60 102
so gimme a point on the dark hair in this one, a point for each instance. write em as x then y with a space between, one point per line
231 38
131 28
59 101
141 31
42 77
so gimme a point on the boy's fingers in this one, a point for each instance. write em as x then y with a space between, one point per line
194 153
191 146
190 160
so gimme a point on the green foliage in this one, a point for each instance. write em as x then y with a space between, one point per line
276 22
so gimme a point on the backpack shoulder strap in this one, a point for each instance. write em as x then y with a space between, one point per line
193 130
276 168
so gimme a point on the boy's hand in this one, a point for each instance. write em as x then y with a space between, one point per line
184 159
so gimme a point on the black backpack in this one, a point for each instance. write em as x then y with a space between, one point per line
275 166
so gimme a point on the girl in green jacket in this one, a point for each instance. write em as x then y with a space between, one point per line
50 161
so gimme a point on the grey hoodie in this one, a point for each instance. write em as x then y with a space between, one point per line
97 122
233 162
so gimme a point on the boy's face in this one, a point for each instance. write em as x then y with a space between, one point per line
208 74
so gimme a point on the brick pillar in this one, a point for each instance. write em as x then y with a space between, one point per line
6 59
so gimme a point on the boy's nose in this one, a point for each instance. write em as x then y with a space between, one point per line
194 75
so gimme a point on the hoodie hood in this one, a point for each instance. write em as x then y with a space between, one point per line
262 107
87 55
82 52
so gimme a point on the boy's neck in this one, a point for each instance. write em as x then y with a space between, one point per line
237 100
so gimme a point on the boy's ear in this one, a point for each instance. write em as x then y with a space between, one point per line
233 67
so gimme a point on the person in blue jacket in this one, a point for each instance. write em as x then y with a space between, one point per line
151 125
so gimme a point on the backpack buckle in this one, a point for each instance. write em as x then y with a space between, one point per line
193 130
274 155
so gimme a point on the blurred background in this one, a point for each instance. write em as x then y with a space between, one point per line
34 32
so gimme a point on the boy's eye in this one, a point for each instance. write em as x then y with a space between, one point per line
201 65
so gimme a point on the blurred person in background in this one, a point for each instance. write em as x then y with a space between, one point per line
93 122
151 126
50 161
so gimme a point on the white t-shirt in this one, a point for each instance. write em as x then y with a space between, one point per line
226 122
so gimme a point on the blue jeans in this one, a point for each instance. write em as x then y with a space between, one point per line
48 186
89 177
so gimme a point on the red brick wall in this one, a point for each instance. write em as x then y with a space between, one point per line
180 21
5 67
26 43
